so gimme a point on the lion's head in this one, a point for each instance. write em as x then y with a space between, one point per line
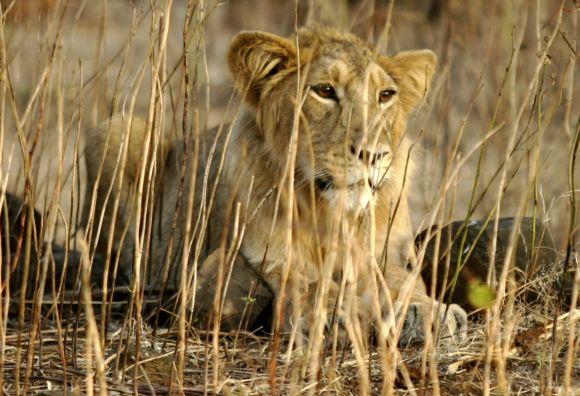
353 105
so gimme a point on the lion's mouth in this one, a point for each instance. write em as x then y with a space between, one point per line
325 183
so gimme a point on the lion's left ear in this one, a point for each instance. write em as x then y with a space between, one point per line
412 71
256 57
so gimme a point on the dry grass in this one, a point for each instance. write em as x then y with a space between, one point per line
499 137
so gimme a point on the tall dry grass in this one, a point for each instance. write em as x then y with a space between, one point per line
498 136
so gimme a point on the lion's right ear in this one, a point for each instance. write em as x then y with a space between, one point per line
256 57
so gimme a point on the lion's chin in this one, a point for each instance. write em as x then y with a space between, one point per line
351 198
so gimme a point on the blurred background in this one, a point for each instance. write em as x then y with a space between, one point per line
69 64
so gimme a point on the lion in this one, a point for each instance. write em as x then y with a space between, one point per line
307 187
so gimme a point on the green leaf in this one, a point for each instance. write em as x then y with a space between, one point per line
480 294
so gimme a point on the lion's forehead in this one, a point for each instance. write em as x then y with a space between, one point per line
330 46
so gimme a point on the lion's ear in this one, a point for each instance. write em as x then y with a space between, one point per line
256 57
412 71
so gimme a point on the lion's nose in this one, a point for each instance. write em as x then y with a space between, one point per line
368 156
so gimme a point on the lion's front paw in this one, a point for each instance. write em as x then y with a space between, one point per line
452 322
413 329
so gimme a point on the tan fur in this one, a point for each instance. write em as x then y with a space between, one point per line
352 171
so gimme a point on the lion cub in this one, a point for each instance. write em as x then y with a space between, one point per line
307 187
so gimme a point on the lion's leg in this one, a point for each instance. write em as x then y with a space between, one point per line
243 295
403 278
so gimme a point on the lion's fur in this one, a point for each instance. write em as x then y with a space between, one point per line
346 142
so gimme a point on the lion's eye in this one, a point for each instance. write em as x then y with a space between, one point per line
325 91
386 95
